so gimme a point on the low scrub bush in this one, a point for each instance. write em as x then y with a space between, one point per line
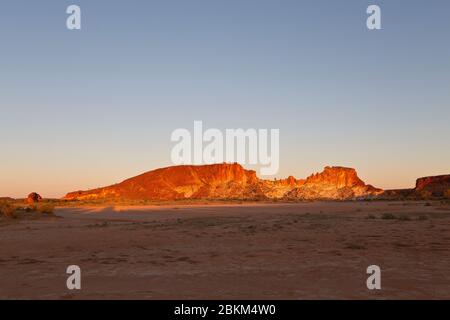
7 210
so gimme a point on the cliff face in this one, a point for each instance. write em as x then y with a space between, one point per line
433 187
230 181
437 185
333 183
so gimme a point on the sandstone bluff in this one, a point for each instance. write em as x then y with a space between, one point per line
231 181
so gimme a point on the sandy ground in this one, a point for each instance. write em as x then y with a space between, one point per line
280 251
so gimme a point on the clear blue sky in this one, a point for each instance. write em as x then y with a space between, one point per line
82 109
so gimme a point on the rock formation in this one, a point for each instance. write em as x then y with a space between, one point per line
217 181
337 183
437 185
427 188
230 181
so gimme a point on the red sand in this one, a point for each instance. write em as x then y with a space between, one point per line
282 251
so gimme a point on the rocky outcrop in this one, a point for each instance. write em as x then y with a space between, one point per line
33 198
230 181
427 188
277 189
337 183
438 186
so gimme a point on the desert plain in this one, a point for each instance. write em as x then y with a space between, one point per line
304 250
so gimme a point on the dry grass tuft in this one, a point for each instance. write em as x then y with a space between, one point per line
388 216
46 208
426 195
355 246
422 217
404 217
447 194
19 209
7 209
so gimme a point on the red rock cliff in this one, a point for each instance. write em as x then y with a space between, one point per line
437 185
333 183
178 182
230 181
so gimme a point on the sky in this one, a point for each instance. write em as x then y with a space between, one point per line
86 108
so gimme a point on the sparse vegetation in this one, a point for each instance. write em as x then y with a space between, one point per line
355 246
46 208
388 216
19 209
447 194
404 217
426 195
7 209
